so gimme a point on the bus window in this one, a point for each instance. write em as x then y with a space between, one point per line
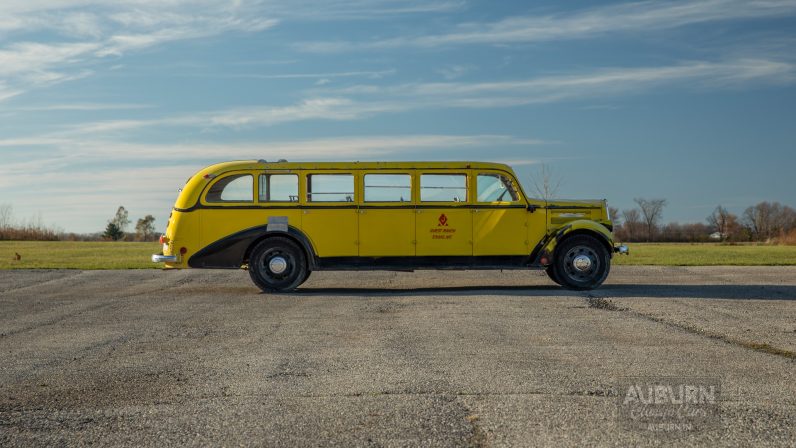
388 188
443 188
330 188
235 188
495 188
278 188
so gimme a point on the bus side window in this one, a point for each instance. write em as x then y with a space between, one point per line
235 188
330 188
278 188
443 188
388 188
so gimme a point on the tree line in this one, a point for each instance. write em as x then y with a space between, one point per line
769 222
35 230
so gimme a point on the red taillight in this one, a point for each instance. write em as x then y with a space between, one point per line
163 239
183 250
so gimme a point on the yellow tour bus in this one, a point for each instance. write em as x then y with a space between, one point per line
283 220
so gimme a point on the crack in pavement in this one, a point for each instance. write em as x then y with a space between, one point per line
604 303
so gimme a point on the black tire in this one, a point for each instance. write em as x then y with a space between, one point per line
551 272
306 276
581 263
273 253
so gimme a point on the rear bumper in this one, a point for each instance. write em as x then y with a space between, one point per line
622 249
160 258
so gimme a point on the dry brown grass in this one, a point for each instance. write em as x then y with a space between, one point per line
789 238
28 233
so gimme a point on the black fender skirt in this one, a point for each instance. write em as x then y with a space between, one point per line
231 251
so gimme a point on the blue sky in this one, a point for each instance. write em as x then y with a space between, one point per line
117 103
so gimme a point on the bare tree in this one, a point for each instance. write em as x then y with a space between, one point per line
652 210
768 220
6 216
144 228
545 182
632 223
120 219
723 222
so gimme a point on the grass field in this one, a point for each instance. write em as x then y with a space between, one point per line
710 254
77 255
115 255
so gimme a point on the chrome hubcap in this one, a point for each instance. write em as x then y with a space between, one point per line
582 263
277 265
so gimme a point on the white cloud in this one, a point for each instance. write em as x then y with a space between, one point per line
450 72
84 107
597 83
98 29
7 92
81 24
360 101
33 57
80 153
371 74
318 108
625 17
327 10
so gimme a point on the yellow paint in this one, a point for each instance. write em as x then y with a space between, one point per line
333 233
374 229
386 232
444 231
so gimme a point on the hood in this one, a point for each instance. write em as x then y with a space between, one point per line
561 211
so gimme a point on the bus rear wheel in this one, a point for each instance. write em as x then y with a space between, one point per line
277 265
581 263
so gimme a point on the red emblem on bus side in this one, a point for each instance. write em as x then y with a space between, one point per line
443 220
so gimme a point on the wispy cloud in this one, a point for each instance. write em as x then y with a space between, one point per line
595 83
366 100
81 151
84 107
6 92
371 74
626 17
326 10
76 35
455 71
60 41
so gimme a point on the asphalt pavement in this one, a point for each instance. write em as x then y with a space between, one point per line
431 358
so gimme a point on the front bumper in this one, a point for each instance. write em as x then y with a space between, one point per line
160 258
622 249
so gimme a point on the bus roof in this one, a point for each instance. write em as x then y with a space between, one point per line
283 165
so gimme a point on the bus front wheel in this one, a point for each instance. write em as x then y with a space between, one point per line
581 263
